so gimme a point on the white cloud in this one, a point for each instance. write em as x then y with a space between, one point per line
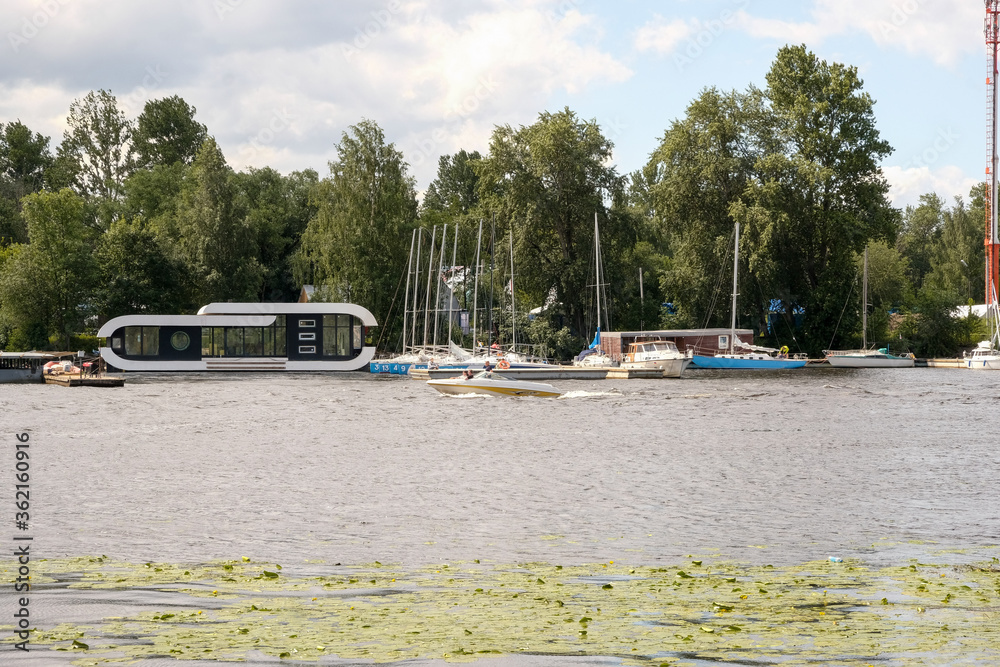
907 184
942 31
277 84
663 37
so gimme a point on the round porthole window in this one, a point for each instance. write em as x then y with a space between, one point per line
180 341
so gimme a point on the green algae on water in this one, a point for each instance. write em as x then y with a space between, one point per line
816 612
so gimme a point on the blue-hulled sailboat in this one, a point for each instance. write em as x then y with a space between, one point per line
739 354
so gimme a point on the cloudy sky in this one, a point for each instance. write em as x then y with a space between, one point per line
277 83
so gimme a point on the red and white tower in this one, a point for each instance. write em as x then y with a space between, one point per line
992 239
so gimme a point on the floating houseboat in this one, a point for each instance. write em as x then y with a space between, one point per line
242 337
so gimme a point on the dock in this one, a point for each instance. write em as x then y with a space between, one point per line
940 363
634 373
76 380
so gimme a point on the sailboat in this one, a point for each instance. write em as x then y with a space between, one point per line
593 355
739 354
866 358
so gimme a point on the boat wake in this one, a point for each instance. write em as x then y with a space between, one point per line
591 394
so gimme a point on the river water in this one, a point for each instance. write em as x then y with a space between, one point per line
756 467
354 468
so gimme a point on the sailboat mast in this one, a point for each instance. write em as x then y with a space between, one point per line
475 289
416 287
597 270
513 326
451 297
489 321
864 305
736 269
642 303
427 297
437 293
406 291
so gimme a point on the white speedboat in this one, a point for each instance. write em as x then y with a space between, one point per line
490 382
660 354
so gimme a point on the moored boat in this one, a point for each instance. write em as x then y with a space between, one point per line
490 382
659 354
880 358
866 358
984 358
760 359
748 356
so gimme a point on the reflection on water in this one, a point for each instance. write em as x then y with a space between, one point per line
786 467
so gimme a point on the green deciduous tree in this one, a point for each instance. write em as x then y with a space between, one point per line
96 152
700 169
220 246
819 196
357 243
24 159
166 132
47 283
455 189
136 274
958 255
277 209
921 229
547 181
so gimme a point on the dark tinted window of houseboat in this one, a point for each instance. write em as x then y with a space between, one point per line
234 342
280 337
150 341
341 335
253 341
180 341
133 341
267 340
142 341
218 341
206 341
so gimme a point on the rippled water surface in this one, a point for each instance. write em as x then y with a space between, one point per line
351 468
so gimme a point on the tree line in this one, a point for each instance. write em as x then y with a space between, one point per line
144 215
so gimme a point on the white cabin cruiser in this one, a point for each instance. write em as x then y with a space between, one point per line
661 354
